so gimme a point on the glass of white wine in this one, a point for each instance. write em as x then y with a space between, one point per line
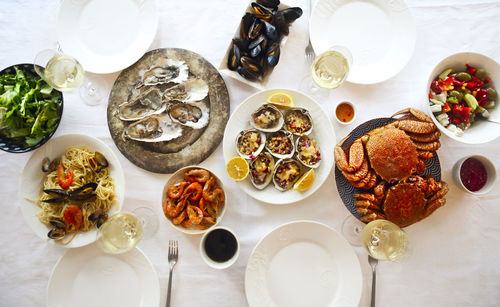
120 233
384 240
65 74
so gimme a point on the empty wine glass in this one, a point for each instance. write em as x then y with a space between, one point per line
65 73
351 230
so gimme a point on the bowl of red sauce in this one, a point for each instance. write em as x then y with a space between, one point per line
475 174
345 112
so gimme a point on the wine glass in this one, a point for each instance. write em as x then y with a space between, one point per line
351 229
328 71
149 220
120 233
384 240
65 73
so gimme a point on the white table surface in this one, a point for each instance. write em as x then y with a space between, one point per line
455 259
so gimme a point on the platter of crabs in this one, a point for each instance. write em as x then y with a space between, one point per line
388 168
168 110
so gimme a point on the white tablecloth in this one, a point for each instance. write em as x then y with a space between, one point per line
455 258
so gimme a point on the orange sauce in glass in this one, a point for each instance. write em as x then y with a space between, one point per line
344 112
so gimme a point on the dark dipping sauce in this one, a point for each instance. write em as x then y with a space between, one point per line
220 245
473 174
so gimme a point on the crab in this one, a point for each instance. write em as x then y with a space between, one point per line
393 152
404 203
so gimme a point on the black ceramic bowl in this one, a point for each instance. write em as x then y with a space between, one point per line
17 145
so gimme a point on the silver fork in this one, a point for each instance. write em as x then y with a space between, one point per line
373 263
310 55
173 254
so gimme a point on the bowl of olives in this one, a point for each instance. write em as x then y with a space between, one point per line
461 95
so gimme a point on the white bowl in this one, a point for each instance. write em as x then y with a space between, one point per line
490 171
214 264
32 178
178 177
353 109
482 131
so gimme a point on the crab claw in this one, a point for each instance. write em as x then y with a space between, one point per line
370 215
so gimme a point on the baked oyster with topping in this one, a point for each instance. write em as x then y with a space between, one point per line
250 143
280 144
267 118
261 170
308 151
286 173
298 121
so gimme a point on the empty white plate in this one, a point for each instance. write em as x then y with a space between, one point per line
87 276
380 35
303 263
106 35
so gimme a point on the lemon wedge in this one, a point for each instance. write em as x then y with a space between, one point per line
237 168
305 182
281 100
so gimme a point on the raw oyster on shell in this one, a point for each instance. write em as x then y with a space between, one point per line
172 71
154 128
147 103
195 115
190 91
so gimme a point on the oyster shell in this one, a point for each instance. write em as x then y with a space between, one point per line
308 151
250 143
298 121
267 118
172 71
280 144
261 170
286 173
147 103
190 91
154 128
195 115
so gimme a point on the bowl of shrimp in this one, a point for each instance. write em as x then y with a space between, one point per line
193 200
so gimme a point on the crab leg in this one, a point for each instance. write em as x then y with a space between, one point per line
426 155
416 126
425 138
431 207
366 204
364 181
359 174
439 194
372 182
417 113
370 215
356 156
428 146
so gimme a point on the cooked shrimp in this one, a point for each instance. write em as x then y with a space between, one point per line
177 220
173 209
198 175
194 191
195 214
175 191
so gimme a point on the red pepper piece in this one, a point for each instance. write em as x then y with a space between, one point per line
470 69
63 179
435 87
446 108
456 120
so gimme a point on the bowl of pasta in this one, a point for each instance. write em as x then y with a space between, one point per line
69 187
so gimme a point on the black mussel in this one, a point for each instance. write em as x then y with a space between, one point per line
292 13
248 74
102 218
58 224
281 24
272 4
245 24
256 41
271 31
241 43
50 166
255 29
98 162
94 216
255 51
273 54
261 11
84 192
234 57
251 64
58 195
56 233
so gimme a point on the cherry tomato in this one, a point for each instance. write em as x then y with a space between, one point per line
63 179
73 215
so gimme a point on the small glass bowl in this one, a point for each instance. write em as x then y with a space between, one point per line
490 171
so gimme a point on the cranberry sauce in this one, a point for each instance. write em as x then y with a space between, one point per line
473 174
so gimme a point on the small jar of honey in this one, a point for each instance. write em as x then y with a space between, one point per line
345 113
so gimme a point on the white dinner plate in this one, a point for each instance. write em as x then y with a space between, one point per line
87 277
322 132
106 36
379 33
303 263
32 178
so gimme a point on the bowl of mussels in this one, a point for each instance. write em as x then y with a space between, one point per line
255 49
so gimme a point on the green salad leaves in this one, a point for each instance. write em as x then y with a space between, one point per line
29 107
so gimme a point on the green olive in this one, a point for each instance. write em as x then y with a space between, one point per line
493 93
481 74
457 95
463 76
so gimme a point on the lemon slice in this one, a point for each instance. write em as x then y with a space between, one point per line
305 182
237 168
281 100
